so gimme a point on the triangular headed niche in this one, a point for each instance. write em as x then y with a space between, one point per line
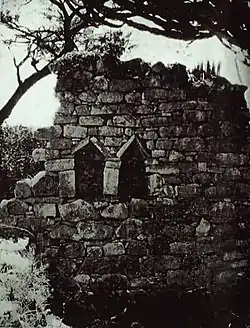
89 166
132 178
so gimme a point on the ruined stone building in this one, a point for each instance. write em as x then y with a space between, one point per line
146 179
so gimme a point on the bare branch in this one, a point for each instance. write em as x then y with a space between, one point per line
17 71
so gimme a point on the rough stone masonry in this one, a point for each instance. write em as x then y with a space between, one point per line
146 180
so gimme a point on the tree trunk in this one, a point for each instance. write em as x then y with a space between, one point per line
21 90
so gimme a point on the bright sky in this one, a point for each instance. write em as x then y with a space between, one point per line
39 104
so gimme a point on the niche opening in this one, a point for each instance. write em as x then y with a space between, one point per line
132 178
89 166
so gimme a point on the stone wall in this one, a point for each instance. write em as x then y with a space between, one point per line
146 181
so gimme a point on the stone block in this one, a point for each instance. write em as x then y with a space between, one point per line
100 83
14 207
94 251
93 231
203 228
164 144
175 156
113 141
158 153
110 131
62 232
189 190
156 121
74 131
82 109
64 119
115 248
82 279
117 212
87 97
131 228
45 184
110 97
156 94
59 144
182 247
152 81
133 97
189 144
44 210
67 186
163 170
51 132
78 210
39 155
155 183
136 247
231 159
23 189
150 135
195 116
66 107
55 165
99 109
91 121
73 250
124 121
110 180
125 85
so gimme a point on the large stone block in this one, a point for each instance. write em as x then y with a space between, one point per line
115 248
87 97
55 165
64 119
51 132
78 210
131 228
45 184
133 98
117 212
164 144
93 231
74 131
63 232
156 121
124 85
91 121
60 144
101 110
231 159
189 144
14 207
45 210
23 189
110 97
124 121
163 170
110 131
67 187
113 141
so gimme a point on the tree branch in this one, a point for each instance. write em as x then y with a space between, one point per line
21 90
17 71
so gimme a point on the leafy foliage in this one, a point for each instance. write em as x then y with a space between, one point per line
24 290
16 144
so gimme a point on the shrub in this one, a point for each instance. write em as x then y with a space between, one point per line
24 290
